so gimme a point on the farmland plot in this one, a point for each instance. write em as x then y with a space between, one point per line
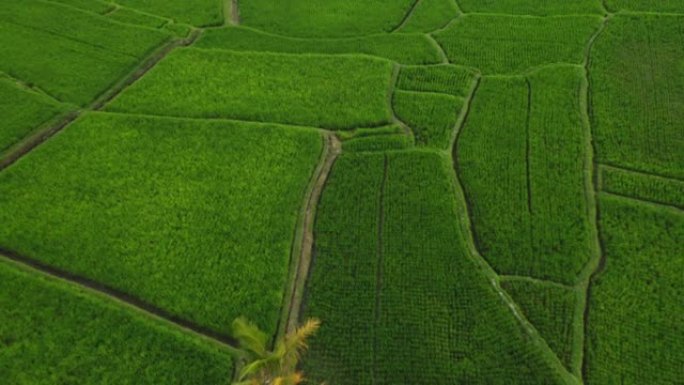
200 13
645 5
52 332
514 44
406 302
75 57
431 116
23 111
523 171
643 186
448 79
324 18
430 15
403 48
194 217
635 319
317 90
637 77
533 7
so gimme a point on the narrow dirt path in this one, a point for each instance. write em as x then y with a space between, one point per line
121 298
304 239
234 12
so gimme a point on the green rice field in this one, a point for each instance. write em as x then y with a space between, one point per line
463 192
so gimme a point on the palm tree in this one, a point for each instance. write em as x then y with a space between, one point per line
276 367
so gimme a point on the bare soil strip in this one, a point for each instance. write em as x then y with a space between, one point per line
302 262
234 12
117 296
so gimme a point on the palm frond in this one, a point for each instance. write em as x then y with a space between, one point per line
250 337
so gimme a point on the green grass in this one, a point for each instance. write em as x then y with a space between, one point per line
324 18
200 13
74 57
22 112
635 318
404 302
317 90
404 48
533 7
379 143
645 5
551 309
431 116
514 44
130 16
430 15
643 186
194 217
446 78
96 6
523 171
55 333
637 78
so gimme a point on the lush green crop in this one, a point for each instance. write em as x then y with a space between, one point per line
635 319
324 91
195 217
96 6
431 116
22 112
405 302
645 5
379 143
324 18
74 57
447 78
551 309
131 16
637 83
54 333
533 7
430 15
643 186
199 13
403 48
513 44
523 169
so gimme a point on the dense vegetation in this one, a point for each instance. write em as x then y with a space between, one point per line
54 333
406 48
539 8
165 210
430 15
264 87
635 323
523 171
645 187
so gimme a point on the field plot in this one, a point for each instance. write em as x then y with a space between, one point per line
637 78
324 18
635 319
317 90
23 111
447 79
551 309
53 333
406 48
430 15
406 303
97 6
523 171
74 57
533 7
194 217
130 16
514 44
431 116
200 13
645 5
643 186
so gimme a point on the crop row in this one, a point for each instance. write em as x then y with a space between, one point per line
334 92
431 116
194 217
534 7
403 300
53 332
524 174
429 15
643 186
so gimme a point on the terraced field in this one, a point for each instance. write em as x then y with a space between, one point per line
463 191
